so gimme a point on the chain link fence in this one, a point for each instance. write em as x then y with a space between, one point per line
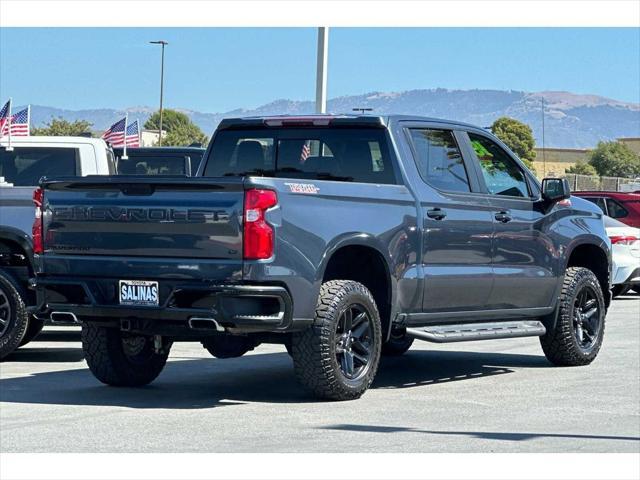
610 184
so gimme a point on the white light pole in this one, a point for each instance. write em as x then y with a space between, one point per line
321 71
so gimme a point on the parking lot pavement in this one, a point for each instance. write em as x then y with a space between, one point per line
493 396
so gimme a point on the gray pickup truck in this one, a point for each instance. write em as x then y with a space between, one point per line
342 237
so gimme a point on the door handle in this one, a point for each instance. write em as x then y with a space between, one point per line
504 216
436 213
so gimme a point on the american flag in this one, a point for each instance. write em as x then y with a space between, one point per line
133 134
306 152
4 116
115 134
19 124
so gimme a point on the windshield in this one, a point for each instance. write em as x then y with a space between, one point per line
351 155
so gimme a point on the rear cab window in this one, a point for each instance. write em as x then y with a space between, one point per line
24 166
342 154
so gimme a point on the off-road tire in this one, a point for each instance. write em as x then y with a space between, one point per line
105 354
559 344
18 319
398 344
33 330
228 346
314 349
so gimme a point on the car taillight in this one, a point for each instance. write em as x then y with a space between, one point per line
624 239
36 231
258 234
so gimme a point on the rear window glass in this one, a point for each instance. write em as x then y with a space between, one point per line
24 166
615 209
350 155
150 165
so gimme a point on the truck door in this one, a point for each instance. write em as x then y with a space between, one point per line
524 257
457 224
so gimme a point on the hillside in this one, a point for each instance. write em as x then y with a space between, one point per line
571 120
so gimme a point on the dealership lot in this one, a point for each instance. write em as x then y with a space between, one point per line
494 396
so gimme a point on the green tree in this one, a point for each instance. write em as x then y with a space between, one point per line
615 159
581 168
60 127
517 136
181 131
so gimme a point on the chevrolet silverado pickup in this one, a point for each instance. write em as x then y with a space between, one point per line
344 238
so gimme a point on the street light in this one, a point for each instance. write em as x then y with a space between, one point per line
163 43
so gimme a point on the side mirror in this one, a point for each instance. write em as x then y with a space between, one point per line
555 189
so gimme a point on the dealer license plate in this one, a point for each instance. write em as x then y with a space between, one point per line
138 292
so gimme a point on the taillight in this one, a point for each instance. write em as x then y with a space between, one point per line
624 239
258 234
38 198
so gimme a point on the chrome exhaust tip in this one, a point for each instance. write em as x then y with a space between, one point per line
63 317
201 323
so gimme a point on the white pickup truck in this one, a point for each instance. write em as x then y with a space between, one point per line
22 163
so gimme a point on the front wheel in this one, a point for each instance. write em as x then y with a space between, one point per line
33 330
579 328
120 359
337 357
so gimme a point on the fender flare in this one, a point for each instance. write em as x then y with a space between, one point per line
22 239
362 240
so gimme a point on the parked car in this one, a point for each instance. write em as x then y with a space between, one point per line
622 206
343 237
159 160
20 170
625 253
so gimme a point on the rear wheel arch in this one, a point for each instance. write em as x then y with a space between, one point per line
366 264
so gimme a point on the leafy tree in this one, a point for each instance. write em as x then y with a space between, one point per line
60 127
517 136
582 168
615 159
181 131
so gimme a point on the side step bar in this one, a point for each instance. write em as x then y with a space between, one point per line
477 331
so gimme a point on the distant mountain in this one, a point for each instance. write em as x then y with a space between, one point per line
571 120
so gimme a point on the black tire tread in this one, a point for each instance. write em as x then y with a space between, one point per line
10 341
559 345
311 349
107 361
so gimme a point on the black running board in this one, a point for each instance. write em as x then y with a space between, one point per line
477 331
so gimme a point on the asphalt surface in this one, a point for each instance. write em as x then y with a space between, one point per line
492 396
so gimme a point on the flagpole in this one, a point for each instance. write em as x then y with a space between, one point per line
124 153
9 147
139 133
28 120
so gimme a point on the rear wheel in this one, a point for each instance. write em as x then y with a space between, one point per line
33 330
579 329
337 358
120 359
14 319
397 344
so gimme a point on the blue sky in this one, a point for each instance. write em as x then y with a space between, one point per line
219 69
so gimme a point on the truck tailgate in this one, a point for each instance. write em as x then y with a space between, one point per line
170 217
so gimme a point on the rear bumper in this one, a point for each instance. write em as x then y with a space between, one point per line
235 308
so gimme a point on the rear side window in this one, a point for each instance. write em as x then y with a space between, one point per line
615 209
439 160
501 173
24 166
350 155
